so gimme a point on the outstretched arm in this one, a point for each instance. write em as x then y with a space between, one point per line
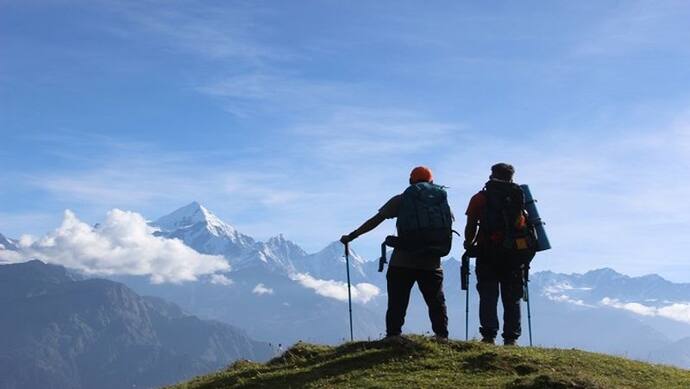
364 228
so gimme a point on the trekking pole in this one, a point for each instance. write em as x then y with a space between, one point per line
349 295
467 311
526 298
464 285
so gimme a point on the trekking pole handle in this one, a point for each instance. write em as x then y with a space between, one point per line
382 260
464 272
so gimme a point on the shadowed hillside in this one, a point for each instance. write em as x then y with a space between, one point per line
60 332
420 362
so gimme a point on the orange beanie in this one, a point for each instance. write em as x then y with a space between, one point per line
421 173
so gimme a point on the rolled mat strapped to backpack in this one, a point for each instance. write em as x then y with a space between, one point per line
534 220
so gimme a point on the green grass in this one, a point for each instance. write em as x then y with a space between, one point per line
423 363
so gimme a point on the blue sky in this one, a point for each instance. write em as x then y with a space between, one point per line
304 118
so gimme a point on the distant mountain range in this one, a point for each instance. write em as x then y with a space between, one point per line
60 331
264 297
279 293
206 233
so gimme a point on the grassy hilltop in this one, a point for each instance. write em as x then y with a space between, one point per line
423 363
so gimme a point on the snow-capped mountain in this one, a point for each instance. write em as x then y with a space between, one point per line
277 254
205 232
329 264
283 293
606 285
7 244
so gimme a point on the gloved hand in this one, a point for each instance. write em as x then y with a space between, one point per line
345 239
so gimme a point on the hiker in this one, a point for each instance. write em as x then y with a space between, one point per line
424 224
497 224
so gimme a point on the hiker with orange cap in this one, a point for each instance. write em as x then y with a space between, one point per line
424 226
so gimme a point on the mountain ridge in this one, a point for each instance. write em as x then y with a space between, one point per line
57 331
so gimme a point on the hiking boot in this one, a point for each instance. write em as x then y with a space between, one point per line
510 342
488 340
441 338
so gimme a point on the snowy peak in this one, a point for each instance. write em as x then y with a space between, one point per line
336 250
191 215
284 247
277 254
203 231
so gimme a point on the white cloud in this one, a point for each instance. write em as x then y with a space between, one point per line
123 244
562 298
676 311
554 292
261 289
362 292
219 279
9 256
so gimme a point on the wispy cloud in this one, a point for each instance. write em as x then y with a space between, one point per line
638 26
264 91
349 133
214 31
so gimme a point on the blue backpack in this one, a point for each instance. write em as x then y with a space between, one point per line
425 222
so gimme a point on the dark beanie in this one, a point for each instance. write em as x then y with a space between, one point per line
503 171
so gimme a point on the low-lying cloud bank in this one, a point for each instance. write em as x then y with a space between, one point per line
362 292
676 311
123 244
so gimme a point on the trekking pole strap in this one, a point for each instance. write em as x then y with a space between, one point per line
464 285
525 287
527 300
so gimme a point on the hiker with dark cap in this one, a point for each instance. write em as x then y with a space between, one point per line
424 225
497 224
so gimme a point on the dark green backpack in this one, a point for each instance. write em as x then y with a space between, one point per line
504 220
425 221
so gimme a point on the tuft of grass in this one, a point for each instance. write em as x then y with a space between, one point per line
421 362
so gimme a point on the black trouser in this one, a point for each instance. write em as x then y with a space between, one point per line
400 282
498 270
